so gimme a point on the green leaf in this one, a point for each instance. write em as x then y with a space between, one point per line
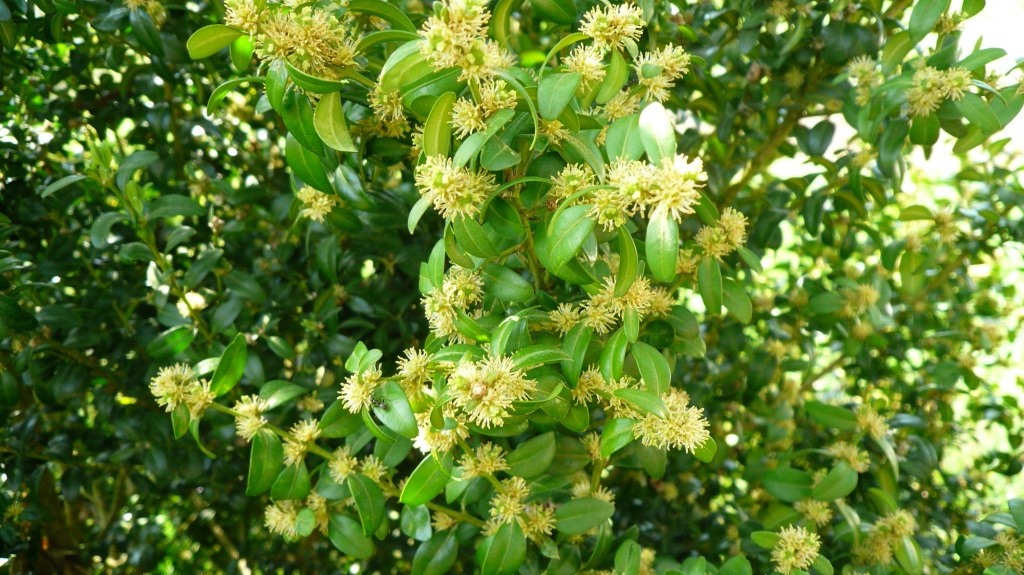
631 323
623 139
330 125
840 482
307 166
557 11
822 565
736 300
613 355
438 555
654 460
241 51
312 84
979 58
437 130
471 145
627 558
581 515
575 344
532 457
277 82
554 93
292 483
706 452
61 184
534 355
832 416
615 75
369 501
628 263
266 460
657 132
305 522
496 155
709 283
145 32
415 522
765 539
173 341
209 40
654 368
567 234
427 480
394 410
788 484
297 113
417 211
472 238
180 420
644 400
662 248
392 14
978 112
218 95
924 17
616 434
338 421
738 565
582 150
231 367
503 552
280 392
908 555
347 536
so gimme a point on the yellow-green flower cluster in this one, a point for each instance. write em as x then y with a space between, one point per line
817 512
357 390
454 191
658 71
930 87
461 289
856 458
456 36
683 427
639 188
469 116
302 435
485 460
508 504
879 545
485 390
313 40
612 25
414 371
315 204
388 111
250 419
588 62
796 549
865 76
603 311
723 238
177 385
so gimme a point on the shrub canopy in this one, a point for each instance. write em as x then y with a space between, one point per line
550 286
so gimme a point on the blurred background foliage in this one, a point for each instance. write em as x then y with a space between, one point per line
92 481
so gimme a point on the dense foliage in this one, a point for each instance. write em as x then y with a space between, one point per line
543 286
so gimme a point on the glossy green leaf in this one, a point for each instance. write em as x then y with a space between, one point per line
615 75
616 434
438 555
840 482
394 411
427 480
662 247
437 130
297 113
567 234
535 355
231 366
307 166
292 483
266 460
209 40
554 93
171 342
503 552
627 558
628 263
643 400
369 501
832 416
472 238
788 484
532 457
329 122
736 300
613 355
925 15
978 112
709 283
574 344
581 515
347 536
706 452
657 132
654 368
